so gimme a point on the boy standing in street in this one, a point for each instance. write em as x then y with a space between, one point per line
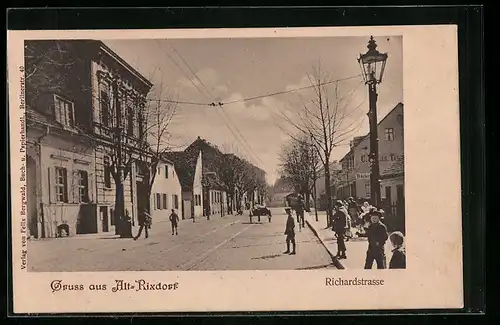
377 236
290 232
339 226
174 219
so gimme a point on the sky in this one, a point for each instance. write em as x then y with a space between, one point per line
224 70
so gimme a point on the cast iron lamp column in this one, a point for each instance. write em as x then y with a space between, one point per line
372 65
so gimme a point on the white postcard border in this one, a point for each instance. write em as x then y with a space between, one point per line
433 278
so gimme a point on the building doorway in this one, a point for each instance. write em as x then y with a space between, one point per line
105 218
31 198
142 197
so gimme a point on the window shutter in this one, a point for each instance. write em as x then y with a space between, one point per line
74 190
91 187
52 184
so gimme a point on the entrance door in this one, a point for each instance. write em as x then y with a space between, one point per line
31 198
388 195
142 197
105 218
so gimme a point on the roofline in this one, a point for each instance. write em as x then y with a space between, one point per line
124 63
365 136
167 160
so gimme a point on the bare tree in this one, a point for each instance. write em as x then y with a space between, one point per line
239 176
139 135
325 121
300 166
155 140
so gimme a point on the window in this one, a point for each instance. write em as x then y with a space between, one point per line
107 173
61 184
175 201
389 134
83 186
140 124
400 196
388 194
154 203
112 213
64 111
166 171
158 201
105 108
130 120
159 170
367 190
164 201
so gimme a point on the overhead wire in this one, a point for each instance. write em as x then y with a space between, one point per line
224 115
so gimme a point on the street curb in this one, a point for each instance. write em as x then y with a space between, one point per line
335 260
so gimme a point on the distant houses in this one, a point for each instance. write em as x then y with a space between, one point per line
189 170
205 189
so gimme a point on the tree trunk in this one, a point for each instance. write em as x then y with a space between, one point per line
328 195
315 198
120 222
307 201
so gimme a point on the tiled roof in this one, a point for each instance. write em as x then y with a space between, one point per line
212 181
33 116
36 117
184 166
395 168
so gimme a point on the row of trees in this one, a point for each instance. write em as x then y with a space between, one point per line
240 177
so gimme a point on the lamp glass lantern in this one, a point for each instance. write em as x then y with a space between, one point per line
372 63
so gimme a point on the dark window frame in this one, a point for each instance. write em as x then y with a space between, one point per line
83 186
61 184
389 134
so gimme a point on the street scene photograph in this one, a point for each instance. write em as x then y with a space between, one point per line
215 154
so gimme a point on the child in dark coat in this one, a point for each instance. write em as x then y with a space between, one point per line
398 259
290 232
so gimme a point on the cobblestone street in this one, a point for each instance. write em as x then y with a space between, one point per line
228 243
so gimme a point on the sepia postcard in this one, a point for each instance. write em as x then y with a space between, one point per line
232 170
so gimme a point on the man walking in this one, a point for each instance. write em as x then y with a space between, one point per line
290 232
144 220
377 236
174 220
339 226
299 210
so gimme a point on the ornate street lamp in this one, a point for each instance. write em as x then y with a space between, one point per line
372 65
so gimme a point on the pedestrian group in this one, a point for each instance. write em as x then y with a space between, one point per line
368 222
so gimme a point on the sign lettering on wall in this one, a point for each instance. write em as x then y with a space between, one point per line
384 157
363 176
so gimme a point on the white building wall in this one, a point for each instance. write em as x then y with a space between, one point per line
55 151
166 184
198 188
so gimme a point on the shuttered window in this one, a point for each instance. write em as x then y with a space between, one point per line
61 184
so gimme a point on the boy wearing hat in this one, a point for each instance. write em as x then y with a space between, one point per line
377 236
339 226
290 232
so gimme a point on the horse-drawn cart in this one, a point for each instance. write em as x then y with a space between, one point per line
258 211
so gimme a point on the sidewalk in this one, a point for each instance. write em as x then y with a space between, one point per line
356 247
162 223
